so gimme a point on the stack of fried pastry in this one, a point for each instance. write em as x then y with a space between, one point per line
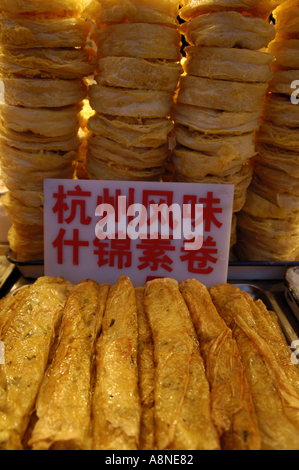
166 366
221 92
138 71
43 61
268 226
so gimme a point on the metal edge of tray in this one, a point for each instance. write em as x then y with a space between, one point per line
270 302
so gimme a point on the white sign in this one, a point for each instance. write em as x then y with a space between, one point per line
101 229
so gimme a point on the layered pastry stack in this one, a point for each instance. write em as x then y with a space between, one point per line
268 226
139 68
43 60
221 93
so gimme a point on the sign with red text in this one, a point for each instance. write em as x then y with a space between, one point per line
102 229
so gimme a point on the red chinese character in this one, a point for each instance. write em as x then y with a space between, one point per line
158 198
81 203
154 254
209 211
60 206
76 243
106 198
198 260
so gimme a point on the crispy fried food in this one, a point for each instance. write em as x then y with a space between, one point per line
240 178
54 7
194 164
285 52
130 103
146 372
43 93
281 159
239 65
29 142
280 136
64 401
282 81
26 242
279 110
116 405
142 40
192 8
28 340
287 20
22 214
228 29
240 147
136 158
231 401
213 121
275 397
133 11
48 63
27 32
50 122
27 162
182 395
130 131
141 74
98 170
217 94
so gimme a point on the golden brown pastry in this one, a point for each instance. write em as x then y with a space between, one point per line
214 121
287 20
146 373
131 131
182 395
55 7
231 402
280 111
116 407
50 122
192 8
43 93
36 318
64 400
27 32
133 157
285 52
282 80
141 74
217 94
275 397
239 65
129 102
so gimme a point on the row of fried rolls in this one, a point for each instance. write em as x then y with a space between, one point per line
43 62
220 94
269 222
167 366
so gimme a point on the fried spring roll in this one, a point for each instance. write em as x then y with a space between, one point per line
28 339
182 394
116 408
64 401
8 306
231 402
146 373
275 399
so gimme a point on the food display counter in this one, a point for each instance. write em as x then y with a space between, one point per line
98 90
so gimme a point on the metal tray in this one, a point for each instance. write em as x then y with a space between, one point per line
6 268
